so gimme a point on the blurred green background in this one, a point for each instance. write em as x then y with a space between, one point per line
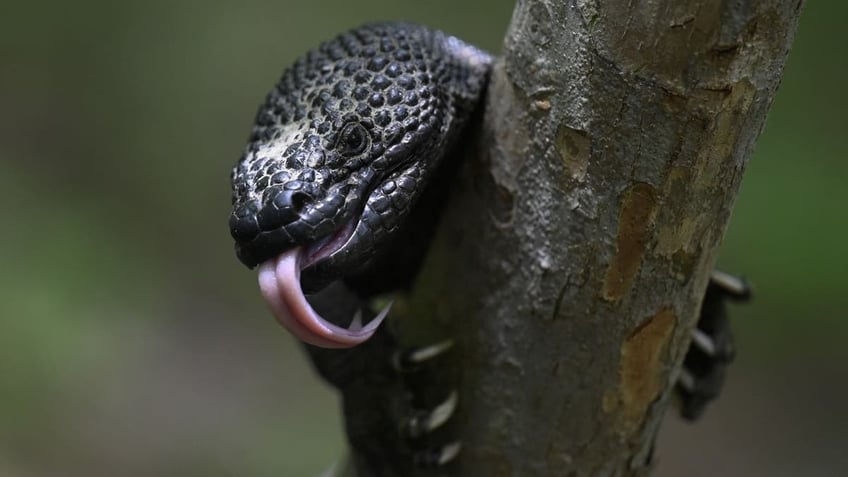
133 343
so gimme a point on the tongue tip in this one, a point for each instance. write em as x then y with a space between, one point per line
279 281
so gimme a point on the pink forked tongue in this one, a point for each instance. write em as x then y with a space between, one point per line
279 280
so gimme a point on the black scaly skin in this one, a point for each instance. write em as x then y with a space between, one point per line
358 125
362 128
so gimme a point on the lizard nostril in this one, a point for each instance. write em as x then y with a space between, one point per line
285 208
292 202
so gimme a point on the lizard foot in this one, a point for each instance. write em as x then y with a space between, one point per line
711 350
423 425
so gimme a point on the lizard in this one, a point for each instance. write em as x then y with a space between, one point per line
335 198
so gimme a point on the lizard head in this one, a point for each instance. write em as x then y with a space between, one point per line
339 151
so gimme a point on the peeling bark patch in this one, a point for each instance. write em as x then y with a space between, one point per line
638 209
679 242
735 105
542 104
681 236
684 265
573 147
677 29
640 369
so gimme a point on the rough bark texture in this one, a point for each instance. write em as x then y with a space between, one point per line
573 257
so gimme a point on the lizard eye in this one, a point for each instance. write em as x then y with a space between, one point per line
353 139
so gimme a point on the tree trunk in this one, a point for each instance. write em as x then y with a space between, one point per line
572 259
579 243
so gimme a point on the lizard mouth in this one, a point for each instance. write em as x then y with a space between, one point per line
279 282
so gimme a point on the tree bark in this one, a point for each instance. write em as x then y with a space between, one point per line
572 259
571 262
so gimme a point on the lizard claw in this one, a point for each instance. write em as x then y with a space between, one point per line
438 457
731 286
410 359
426 422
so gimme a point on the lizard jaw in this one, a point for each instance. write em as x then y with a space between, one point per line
279 281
